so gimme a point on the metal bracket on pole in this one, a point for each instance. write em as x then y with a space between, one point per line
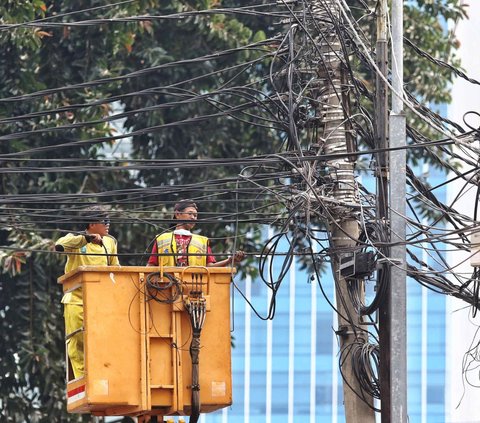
390 261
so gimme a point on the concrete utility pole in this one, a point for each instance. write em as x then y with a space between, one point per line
398 291
343 223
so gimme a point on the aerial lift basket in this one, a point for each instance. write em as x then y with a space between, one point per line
137 335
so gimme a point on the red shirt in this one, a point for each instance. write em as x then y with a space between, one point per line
182 245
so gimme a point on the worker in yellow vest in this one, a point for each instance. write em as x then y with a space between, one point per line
94 247
181 247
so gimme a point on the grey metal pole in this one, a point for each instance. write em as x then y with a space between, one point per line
398 297
381 120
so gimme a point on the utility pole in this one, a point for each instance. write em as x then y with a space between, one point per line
343 221
397 292
381 138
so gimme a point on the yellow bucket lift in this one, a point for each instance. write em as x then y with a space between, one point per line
143 329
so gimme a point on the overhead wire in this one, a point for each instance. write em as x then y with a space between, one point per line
295 178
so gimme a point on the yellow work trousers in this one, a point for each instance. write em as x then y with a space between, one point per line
73 314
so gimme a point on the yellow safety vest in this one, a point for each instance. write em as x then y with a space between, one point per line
166 244
87 254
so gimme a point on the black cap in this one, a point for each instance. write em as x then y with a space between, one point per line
94 214
183 204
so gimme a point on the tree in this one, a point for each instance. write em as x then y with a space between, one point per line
35 59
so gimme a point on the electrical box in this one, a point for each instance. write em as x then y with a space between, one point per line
137 337
357 265
475 249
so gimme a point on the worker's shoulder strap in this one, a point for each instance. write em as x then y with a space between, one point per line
165 236
200 238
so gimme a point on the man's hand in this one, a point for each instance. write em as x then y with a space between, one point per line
238 256
94 238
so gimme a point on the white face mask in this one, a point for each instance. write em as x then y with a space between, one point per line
182 232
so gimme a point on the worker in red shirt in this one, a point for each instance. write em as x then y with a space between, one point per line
181 247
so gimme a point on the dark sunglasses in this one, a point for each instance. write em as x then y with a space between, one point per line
105 221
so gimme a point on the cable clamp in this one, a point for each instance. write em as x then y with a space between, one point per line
390 261
343 331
